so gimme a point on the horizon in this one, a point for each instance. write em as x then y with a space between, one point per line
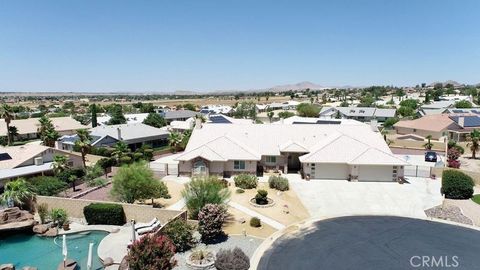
210 46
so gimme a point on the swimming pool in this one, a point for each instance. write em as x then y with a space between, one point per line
45 253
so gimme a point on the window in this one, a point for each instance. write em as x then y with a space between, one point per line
239 164
271 159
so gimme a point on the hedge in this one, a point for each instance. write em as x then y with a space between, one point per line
245 181
104 213
457 185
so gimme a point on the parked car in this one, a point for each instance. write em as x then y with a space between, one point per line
431 156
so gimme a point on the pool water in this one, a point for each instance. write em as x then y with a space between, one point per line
45 253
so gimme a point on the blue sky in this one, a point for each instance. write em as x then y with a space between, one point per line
149 46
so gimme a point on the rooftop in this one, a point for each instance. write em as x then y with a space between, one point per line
31 125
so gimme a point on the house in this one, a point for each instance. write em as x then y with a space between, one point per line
452 126
30 160
132 118
364 114
341 152
134 135
28 128
297 120
223 119
436 107
216 109
287 105
180 115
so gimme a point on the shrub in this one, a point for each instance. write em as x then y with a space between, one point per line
181 233
93 172
232 260
457 185
201 191
152 252
210 222
48 185
96 182
59 216
476 198
261 197
278 182
245 181
42 210
104 213
255 222
239 191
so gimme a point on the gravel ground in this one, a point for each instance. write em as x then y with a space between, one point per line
247 244
448 212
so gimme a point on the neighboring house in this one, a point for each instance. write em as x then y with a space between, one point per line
343 152
295 120
453 126
223 119
180 126
30 160
28 128
437 107
180 115
261 108
363 114
216 109
133 118
287 105
134 135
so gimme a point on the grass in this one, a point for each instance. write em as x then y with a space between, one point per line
476 198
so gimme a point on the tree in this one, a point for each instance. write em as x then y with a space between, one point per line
210 222
406 111
116 115
18 192
154 120
308 110
93 109
106 163
270 115
473 142
12 133
463 104
152 252
411 103
7 114
390 122
245 110
174 139
181 234
59 164
189 106
201 191
135 182
83 143
120 153
429 144
47 132
285 114
185 138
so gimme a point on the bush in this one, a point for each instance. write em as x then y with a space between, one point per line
47 185
42 210
96 182
476 198
152 252
210 222
278 182
239 191
201 191
232 260
93 172
104 213
245 181
457 185
59 216
255 222
261 197
181 233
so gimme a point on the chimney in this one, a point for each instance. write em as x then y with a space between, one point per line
119 134
198 123
374 125
461 121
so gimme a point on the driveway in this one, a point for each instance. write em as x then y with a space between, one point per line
331 198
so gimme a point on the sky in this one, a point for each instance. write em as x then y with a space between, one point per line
155 46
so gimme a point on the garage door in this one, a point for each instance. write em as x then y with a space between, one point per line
331 171
375 173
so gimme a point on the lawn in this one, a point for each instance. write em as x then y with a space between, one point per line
476 198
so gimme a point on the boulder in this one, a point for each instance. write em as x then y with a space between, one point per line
40 228
7 266
51 232
15 219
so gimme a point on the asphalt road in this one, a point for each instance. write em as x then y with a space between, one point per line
375 242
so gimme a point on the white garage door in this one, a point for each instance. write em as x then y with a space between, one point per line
331 171
375 173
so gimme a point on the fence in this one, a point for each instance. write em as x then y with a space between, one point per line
417 171
141 213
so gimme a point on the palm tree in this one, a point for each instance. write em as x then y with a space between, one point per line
6 113
47 132
18 191
174 139
473 143
120 151
12 133
83 143
270 115
429 144
59 164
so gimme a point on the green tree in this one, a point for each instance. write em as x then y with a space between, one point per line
18 191
84 144
390 122
308 110
411 103
185 138
285 114
473 142
429 144
116 115
93 109
59 164
7 114
245 109
270 115
120 153
405 111
12 133
463 104
47 132
174 140
154 120
189 106
135 182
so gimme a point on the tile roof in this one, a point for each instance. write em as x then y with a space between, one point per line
31 125
435 122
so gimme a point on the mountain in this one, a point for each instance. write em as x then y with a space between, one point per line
454 83
297 86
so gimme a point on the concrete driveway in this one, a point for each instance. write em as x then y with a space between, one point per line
330 198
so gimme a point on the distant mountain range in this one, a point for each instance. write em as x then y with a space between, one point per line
454 83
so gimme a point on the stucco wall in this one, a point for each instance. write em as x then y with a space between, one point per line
185 167
420 132
141 213
250 166
216 167
281 161
48 155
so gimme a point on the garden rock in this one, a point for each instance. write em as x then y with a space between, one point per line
29 268
51 232
7 266
40 228
15 219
